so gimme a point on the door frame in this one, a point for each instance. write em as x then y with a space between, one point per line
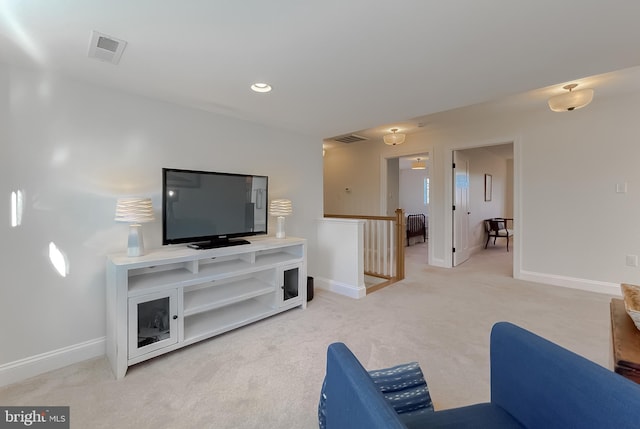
518 213
401 152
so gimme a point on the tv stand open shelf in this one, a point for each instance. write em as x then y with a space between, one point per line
176 296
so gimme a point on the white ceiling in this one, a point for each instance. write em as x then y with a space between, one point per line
336 66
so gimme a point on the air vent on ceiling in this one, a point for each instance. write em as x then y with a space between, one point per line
106 48
350 138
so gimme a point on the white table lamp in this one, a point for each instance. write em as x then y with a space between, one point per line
280 208
134 211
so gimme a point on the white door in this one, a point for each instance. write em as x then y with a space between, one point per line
461 212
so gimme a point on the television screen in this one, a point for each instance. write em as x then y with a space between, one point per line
212 207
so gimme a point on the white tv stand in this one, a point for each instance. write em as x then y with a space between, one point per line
176 296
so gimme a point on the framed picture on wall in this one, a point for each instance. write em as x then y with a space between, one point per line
487 187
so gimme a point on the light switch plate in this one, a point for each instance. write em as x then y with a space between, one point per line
621 188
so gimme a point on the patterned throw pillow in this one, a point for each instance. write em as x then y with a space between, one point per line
403 386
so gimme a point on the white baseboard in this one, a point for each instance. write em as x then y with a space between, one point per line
572 282
476 249
438 262
22 369
352 291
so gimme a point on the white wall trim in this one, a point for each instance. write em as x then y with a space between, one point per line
22 369
438 262
572 282
352 291
476 249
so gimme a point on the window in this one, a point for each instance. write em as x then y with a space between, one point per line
426 191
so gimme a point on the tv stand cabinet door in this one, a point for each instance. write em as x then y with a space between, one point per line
153 322
291 279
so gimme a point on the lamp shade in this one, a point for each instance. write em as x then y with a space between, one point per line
280 207
394 138
134 210
571 100
418 165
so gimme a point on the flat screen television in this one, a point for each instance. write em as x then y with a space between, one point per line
210 209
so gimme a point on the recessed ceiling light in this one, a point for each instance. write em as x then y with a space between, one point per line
261 87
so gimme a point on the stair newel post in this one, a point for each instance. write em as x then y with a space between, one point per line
400 229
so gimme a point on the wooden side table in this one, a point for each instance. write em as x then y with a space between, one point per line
625 338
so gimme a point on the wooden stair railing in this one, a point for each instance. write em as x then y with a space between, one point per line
383 245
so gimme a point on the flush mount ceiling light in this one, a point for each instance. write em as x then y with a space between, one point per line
418 165
261 87
394 139
571 100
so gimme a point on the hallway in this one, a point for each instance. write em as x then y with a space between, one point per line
494 260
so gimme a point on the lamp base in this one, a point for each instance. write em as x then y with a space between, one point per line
135 244
280 230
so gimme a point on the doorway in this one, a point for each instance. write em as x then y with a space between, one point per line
483 188
408 187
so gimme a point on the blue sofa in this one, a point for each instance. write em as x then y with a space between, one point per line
534 384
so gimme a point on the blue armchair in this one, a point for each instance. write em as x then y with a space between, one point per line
534 384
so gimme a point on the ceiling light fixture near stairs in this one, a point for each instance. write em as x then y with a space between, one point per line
418 165
394 138
571 100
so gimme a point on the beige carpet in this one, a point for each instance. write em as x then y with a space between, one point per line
269 374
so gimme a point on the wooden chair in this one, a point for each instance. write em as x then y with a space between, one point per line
416 227
498 228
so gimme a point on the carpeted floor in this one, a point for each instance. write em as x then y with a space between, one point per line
269 374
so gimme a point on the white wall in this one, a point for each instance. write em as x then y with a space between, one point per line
481 162
509 201
360 167
351 176
412 191
341 256
393 186
570 169
572 226
73 148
